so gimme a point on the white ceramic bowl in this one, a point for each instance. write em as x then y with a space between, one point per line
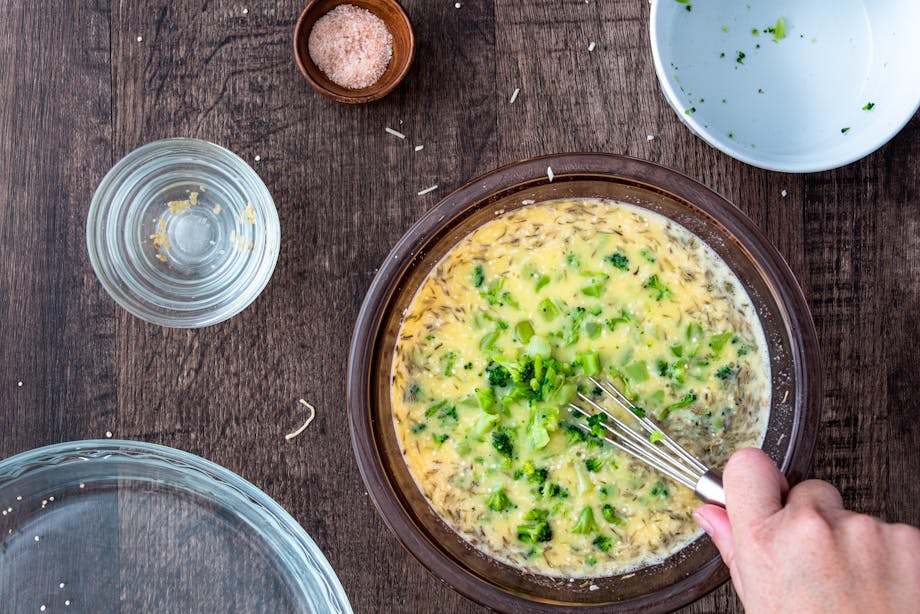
843 80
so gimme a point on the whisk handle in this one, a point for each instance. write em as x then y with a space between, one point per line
709 489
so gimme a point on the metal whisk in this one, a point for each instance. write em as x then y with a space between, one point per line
668 458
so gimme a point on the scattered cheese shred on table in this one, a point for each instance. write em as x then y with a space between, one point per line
514 95
427 190
419 147
312 415
591 46
395 133
550 174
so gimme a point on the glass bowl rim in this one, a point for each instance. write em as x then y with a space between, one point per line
281 526
493 186
103 208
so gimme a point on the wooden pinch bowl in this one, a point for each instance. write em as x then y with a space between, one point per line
397 22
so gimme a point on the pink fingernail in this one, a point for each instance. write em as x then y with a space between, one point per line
704 524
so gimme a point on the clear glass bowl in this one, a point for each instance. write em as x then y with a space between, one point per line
183 233
787 324
123 526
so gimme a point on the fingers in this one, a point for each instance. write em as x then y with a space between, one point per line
817 494
714 520
754 487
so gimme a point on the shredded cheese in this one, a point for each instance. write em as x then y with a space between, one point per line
427 190
514 95
395 133
419 147
550 174
312 409
591 46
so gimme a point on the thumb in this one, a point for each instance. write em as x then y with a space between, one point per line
754 488
714 520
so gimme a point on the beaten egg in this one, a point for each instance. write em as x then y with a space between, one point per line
506 329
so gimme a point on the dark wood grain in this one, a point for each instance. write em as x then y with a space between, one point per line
78 91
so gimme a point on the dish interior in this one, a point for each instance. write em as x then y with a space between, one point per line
698 557
786 85
128 527
506 333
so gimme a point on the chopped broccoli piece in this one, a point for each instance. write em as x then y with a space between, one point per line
555 490
444 411
717 342
618 260
610 514
655 436
574 435
478 276
486 398
602 543
499 502
447 363
542 280
586 523
594 464
439 439
657 288
523 331
725 372
659 490
590 362
498 375
549 309
502 442
418 427
596 422
535 532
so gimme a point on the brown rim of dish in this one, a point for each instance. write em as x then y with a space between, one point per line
392 505
397 22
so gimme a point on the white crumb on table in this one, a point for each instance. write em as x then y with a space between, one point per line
514 95
591 46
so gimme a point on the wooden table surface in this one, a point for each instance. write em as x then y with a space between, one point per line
84 82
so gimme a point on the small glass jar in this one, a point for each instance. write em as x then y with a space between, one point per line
183 233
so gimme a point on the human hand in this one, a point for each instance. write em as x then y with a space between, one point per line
799 551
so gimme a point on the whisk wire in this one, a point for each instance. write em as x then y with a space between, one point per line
650 426
670 458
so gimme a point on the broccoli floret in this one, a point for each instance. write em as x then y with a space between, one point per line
602 543
478 276
535 532
574 435
594 464
586 523
555 490
657 288
538 476
536 514
596 422
610 514
725 372
498 375
618 260
501 441
499 502
659 490
439 439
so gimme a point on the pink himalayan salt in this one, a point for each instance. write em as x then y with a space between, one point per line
351 45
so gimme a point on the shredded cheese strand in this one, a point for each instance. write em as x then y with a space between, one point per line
312 409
